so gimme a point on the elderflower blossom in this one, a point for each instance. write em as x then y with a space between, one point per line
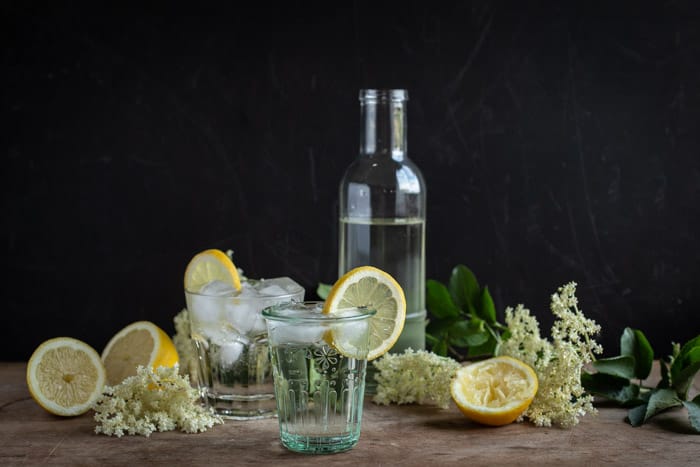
525 339
560 398
160 400
183 343
420 377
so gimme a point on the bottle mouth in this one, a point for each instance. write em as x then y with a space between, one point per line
383 95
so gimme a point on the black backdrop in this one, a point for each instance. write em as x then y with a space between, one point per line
558 142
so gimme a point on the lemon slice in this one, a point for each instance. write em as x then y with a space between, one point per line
494 391
369 287
140 343
65 376
211 265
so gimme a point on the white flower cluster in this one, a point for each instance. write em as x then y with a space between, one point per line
160 400
183 343
560 398
414 377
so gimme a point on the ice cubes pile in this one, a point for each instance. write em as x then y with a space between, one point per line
225 317
313 329
285 333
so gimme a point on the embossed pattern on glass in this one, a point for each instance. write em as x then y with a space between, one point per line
319 391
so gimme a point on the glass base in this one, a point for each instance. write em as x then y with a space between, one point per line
243 408
307 444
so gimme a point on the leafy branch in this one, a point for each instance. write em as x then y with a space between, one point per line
463 317
621 378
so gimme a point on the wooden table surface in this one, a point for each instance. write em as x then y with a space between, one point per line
391 435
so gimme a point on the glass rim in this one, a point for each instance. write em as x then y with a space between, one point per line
287 295
269 313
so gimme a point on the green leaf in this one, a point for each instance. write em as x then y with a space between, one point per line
694 342
694 412
323 290
633 343
457 332
439 301
485 349
682 381
440 348
476 339
685 365
682 359
660 400
486 309
464 288
467 333
505 335
636 415
621 366
611 387
438 327
431 340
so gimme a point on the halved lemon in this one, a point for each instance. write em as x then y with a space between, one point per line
211 265
495 391
65 376
370 287
140 343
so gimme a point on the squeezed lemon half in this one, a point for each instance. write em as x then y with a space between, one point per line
495 391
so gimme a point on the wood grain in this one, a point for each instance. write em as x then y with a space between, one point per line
391 435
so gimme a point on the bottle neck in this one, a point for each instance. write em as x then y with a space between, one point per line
383 123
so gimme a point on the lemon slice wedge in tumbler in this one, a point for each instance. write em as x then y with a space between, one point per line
369 287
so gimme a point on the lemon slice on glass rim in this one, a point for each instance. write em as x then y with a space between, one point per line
368 287
210 265
495 391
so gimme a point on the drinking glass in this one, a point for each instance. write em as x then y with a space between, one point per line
230 339
318 363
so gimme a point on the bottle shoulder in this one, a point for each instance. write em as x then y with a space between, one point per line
385 172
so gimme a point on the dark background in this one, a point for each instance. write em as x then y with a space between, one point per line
559 141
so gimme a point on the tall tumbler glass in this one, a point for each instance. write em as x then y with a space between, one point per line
230 338
318 363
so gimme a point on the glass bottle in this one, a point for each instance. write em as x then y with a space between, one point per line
382 207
